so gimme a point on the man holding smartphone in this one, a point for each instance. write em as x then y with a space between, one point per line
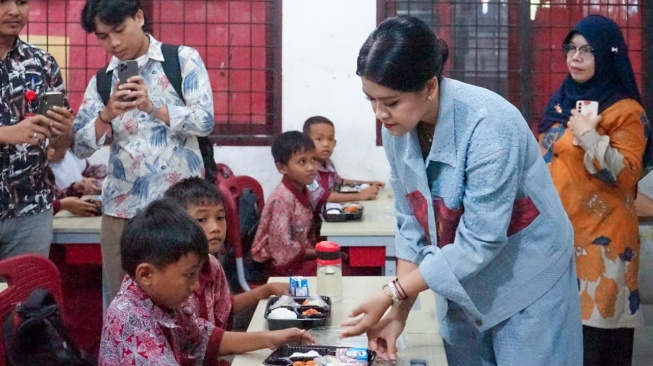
27 73
154 142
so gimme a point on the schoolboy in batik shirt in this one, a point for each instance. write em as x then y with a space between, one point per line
285 232
138 332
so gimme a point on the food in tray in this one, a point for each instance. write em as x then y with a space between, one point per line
352 188
310 312
309 354
284 301
349 189
352 207
315 301
304 363
349 356
282 313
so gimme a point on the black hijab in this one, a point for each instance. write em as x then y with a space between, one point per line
613 78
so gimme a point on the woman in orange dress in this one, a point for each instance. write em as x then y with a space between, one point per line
596 162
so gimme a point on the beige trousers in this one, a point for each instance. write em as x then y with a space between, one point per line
112 271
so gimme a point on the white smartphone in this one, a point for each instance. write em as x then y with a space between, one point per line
588 107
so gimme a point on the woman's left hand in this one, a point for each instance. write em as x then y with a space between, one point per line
579 123
372 308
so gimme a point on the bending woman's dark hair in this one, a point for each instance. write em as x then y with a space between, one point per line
402 54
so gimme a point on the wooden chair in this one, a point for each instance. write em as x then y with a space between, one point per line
25 273
232 190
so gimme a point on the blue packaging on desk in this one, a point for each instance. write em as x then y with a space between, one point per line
298 286
356 353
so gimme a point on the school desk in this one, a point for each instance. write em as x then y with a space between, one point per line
375 229
421 338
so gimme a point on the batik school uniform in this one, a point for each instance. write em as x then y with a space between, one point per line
138 332
213 302
285 232
326 181
597 183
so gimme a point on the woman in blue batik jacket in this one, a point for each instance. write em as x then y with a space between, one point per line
479 220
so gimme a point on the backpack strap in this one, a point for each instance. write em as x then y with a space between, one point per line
172 67
103 84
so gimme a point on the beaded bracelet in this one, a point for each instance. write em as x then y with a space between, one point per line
400 289
392 292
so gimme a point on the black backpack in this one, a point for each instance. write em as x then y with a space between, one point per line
35 334
172 69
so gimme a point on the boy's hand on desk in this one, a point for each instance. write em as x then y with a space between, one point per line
278 338
377 183
276 289
78 207
368 193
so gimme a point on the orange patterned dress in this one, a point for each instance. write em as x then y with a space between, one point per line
597 183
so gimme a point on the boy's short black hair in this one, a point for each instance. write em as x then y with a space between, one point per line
315 120
110 12
160 235
193 191
289 143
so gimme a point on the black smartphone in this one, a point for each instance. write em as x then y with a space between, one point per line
127 69
49 100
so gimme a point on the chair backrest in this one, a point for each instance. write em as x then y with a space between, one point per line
232 190
224 172
25 273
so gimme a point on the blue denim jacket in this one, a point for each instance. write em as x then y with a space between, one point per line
501 238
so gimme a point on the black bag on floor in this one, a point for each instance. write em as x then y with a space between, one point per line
35 334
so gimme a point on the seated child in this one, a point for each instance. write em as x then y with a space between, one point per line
286 237
71 178
163 250
322 131
213 300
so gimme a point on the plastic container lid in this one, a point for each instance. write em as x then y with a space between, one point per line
328 253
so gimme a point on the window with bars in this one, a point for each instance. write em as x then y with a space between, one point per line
239 41
513 47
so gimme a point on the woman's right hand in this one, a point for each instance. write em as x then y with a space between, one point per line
383 337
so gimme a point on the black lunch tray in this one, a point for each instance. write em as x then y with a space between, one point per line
280 356
302 321
343 216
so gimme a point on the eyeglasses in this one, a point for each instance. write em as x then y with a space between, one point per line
586 52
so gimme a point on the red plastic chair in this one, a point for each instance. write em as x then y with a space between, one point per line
231 189
25 273
224 172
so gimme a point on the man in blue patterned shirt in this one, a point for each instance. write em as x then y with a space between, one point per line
154 133
26 72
